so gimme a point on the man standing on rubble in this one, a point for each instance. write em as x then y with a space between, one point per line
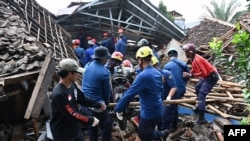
148 84
89 52
201 68
96 85
79 52
65 118
176 67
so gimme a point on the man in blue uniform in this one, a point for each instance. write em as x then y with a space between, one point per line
176 67
96 85
89 52
148 84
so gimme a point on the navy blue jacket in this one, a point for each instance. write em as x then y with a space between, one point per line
177 67
121 47
148 84
88 54
79 52
168 82
96 82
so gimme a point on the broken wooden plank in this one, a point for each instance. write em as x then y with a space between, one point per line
42 94
37 87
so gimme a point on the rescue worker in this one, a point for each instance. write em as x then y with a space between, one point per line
115 60
89 52
148 84
66 120
108 42
145 42
176 67
79 52
83 40
121 33
121 45
169 91
96 85
201 68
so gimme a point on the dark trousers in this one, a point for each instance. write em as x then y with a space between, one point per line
78 137
170 114
105 125
203 87
147 130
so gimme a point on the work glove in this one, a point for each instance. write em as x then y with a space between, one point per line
168 98
101 109
119 116
95 122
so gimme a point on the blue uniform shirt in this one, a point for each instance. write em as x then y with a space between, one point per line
79 52
121 47
88 53
177 67
148 84
168 82
96 82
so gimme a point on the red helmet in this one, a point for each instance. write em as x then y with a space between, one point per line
94 40
120 30
76 41
127 63
189 47
117 55
105 34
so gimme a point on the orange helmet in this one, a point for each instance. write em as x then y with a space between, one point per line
76 41
117 55
127 63
120 30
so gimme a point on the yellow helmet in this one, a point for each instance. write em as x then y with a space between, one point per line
144 52
154 60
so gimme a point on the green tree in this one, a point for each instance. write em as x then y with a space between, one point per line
248 5
163 9
226 12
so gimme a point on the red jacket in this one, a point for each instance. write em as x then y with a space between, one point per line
201 67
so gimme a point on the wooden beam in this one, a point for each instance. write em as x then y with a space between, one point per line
37 87
19 77
42 94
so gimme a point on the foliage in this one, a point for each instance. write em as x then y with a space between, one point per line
163 9
226 12
215 47
248 5
240 61
246 94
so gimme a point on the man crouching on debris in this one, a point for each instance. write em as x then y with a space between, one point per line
201 68
148 84
65 119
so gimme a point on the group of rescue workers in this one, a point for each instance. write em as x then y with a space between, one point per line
151 84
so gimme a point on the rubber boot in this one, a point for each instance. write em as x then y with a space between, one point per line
201 120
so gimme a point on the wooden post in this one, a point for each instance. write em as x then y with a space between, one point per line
38 85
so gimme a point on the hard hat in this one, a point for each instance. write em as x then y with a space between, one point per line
117 55
120 30
189 48
144 52
105 34
76 41
154 60
172 50
143 42
126 63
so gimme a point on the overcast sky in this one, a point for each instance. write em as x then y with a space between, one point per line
190 9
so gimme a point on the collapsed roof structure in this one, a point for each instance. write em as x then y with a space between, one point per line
139 19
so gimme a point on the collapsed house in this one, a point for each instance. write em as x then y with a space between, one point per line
32 43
